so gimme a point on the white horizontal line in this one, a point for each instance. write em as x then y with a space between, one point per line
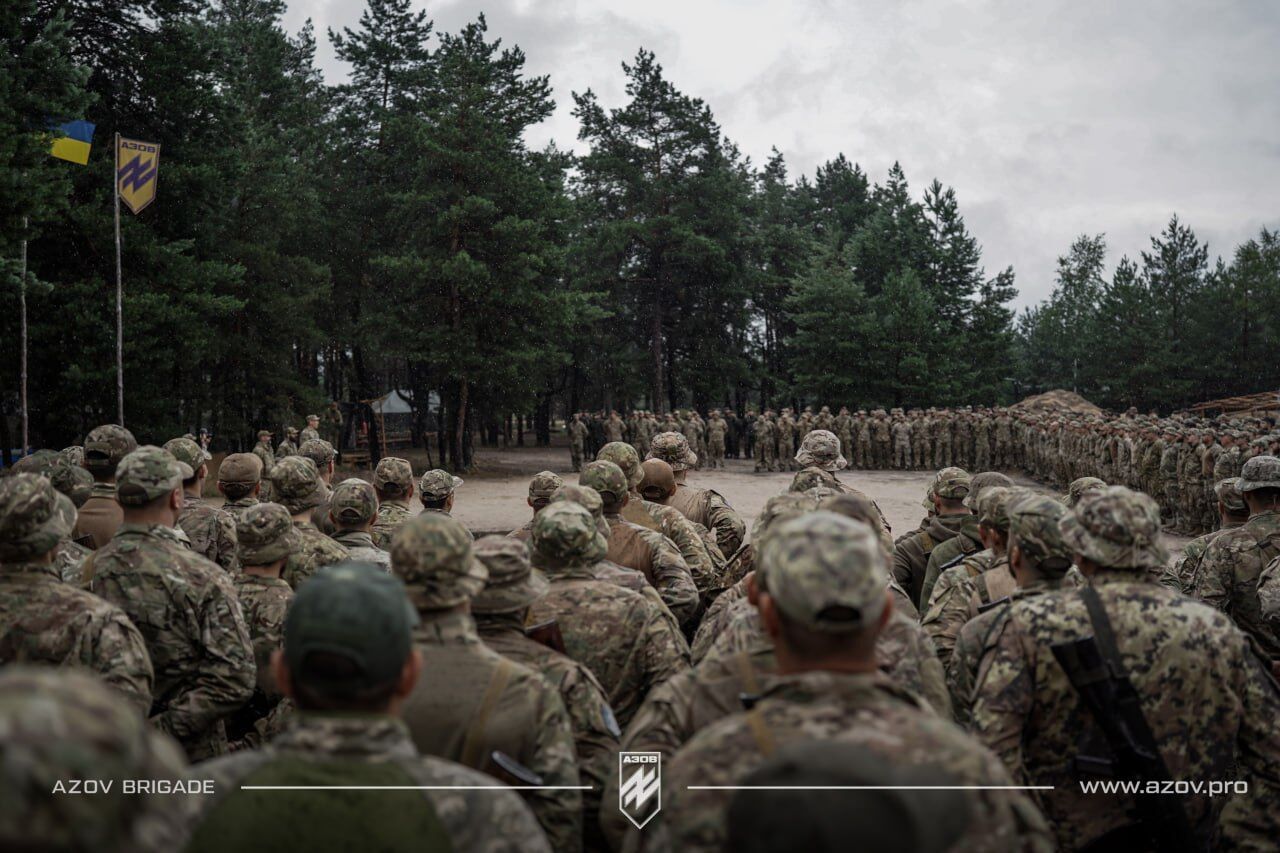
416 788
869 787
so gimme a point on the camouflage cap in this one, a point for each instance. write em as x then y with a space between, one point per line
59 724
313 417
993 507
780 508
658 482
147 474
186 451
240 468
30 522
984 480
436 485
1228 492
606 478
73 481
1260 472
953 484
264 433
824 571
566 536
1034 527
821 449
543 486
393 476
37 462
106 446
513 584
264 534
318 451
1116 528
672 448
356 611
73 455
625 457
587 498
353 503
291 431
297 483
432 553
1080 487
811 478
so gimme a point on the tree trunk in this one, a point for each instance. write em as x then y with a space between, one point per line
658 359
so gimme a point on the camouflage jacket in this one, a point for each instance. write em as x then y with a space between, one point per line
708 508
654 555
212 532
865 709
265 602
314 550
946 555
1182 574
190 618
391 514
1214 711
696 544
46 621
452 715
911 555
961 592
68 560
359 545
376 750
1230 570
617 634
236 508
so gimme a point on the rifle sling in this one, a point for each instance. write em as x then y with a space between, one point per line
471 744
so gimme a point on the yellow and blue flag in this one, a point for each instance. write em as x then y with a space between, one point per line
73 141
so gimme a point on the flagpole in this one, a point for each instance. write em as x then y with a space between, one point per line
22 300
115 180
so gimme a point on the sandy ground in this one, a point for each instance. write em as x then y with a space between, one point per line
493 498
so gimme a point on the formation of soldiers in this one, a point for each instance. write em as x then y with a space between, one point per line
1012 648
1176 460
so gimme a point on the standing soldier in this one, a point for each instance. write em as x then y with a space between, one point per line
393 481
982 441
704 506
862 457
786 440
263 451
717 429
312 430
941 437
732 436
577 440
1004 440
297 485
882 435
100 516
1191 481
613 428
353 508
911 556
921 458
762 436
1233 512
901 432
1169 479
331 430
844 429
184 605
288 447
212 530
239 481
1228 462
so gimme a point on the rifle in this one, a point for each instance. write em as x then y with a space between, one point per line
506 769
1093 667
548 634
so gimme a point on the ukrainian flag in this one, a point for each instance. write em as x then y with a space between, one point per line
73 141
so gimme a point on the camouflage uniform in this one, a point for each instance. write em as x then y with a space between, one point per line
577 440
1182 575
57 726
475 701
394 480
616 633
297 485
212 531
541 488
438 485
911 556
46 621
288 447
703 506
716 430
763 434
310 433
901 432
186 609
354 505
1222 702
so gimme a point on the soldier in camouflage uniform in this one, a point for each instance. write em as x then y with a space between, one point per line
901 433
1168 477
1233 512
762 432
322 453
61 726
477 702
616 633
312 430
967 545
500 611
352 510
393 481
100 516
577 440
911 556
73 481
786 438
348 662
46 621
265 537
541 488
212 531
940 436
1222 701
184 605
436 491
296 484
240 482
716 431
1080 487
703 506
288 447
823 601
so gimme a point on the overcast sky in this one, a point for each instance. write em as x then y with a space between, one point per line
1050 118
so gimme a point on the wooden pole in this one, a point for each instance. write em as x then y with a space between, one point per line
22 301
115 178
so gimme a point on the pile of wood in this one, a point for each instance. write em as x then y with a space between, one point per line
1058 401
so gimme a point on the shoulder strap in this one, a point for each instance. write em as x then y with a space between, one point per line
474 740
760 731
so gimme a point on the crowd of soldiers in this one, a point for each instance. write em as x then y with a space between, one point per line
1177 460
476 694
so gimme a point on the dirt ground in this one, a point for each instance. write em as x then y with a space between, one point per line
493 499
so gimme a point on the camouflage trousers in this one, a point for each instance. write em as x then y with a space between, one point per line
920 456
787 455
901 455
941 455
862 455
575 455
883 455
715 454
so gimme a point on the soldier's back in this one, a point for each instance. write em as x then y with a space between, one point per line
1229 570
312 551
212 532
100 516
391 514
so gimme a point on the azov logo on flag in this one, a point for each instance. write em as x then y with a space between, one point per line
640 785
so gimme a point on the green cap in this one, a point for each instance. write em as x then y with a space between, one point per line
243 468
264 534
993 507
1116 528
436 485
186 451
106 446
606 478
31 522
625 457
356 611
393 476
981 481
36 462
1228 491
353 503
432 553
73 481
587 498
512 584
565 535
1034 527
147 474
952 484
1080 487
780 508
297 483
1260 472
543 486
318 451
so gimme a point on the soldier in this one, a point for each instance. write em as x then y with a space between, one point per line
717 428
61 726
100 516
704 506
1224 702
1232 563
1228 462
762 438
353 508
577 440
911 555
941 439
616 633
322 453
73 481
1191 482
823 603
184 605
862 442
349 664
393 481
1080 487
500 611
288 447
786 438
263 451
265 538
1169 479
44 620
901 434
296 484
436 489
1233 512
331 429
843 429
312 430
967 544
921 455
1003 434
881 436
478 703
541 488
642 548
212 531
240 481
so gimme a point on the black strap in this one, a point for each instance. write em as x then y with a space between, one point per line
1103 634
